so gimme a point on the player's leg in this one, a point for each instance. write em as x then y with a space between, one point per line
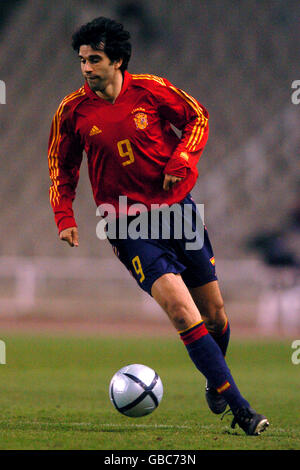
174 297
200 276
209 301
149 262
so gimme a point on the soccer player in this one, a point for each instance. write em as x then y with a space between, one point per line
123 123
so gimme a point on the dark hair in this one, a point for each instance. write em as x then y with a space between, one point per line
111 33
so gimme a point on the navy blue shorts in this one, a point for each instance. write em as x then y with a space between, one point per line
149 258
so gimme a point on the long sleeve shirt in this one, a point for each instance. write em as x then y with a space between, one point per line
130 145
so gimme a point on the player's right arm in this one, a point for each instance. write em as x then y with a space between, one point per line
64 159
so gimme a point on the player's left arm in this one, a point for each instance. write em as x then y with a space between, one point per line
191 118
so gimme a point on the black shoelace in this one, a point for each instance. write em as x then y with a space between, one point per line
243 415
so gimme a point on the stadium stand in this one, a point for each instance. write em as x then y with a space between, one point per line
238 62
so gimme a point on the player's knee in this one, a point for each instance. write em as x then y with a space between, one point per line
179 313
175 307
214 315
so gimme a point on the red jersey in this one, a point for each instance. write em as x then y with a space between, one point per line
129 144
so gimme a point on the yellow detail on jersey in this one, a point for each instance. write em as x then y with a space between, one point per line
125 152
201 121
94 131
135 110
145 76
185 156
54 146
57 118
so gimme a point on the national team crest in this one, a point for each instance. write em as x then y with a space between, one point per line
141 120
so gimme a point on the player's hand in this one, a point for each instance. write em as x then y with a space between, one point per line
70 235
169 181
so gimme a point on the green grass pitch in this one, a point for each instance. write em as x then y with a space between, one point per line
54 395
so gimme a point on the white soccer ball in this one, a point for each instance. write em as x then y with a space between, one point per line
136 390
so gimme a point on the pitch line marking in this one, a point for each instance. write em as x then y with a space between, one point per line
157 426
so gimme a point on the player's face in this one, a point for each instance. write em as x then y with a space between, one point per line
97 68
